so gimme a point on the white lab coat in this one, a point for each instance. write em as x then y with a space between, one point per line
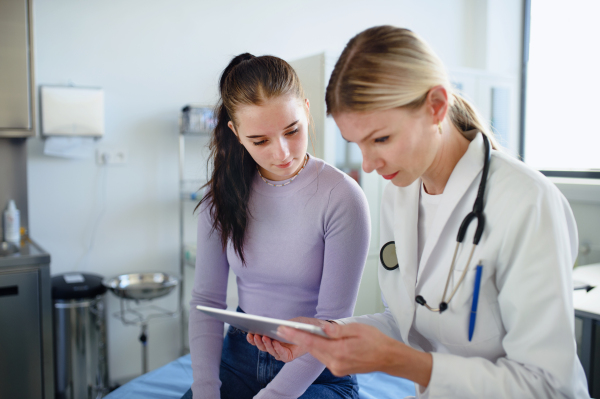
523 344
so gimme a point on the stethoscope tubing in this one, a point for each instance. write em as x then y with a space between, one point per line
476 213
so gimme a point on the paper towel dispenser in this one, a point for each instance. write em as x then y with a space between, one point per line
72 111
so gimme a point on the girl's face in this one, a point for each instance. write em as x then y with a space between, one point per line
399 144
275 134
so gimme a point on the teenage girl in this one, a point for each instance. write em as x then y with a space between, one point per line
293 229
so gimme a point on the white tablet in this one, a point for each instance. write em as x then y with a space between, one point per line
258 324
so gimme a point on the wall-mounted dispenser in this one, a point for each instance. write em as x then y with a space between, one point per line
72 111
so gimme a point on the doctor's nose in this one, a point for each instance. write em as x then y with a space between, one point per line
370 164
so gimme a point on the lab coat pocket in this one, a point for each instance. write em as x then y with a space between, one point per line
454 323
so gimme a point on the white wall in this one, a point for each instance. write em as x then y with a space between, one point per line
153 57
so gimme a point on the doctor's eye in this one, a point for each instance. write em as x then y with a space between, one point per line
292 132
259 142
382 139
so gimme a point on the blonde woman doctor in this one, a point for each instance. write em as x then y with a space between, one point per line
389 93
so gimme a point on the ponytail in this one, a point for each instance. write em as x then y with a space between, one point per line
465 117
247 80
229 188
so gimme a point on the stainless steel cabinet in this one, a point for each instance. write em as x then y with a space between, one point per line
17 90
20 350
26 359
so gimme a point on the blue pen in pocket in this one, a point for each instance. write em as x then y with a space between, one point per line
475 300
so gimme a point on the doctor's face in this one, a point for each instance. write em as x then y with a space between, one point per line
275 134
399 144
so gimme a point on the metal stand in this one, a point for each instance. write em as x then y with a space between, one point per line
140 316
195 121
144 341
182 320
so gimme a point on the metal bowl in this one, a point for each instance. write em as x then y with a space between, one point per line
141 285
8 248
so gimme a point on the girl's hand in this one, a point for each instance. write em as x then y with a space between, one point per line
280 350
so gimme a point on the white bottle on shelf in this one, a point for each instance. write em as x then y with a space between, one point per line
12 224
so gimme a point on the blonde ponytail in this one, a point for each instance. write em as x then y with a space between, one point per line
466 118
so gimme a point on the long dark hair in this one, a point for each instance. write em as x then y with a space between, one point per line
247 80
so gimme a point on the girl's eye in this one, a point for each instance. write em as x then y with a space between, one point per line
287 134
382 139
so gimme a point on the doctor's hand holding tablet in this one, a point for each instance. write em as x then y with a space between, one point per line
477 248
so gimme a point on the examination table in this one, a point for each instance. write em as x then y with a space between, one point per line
174 379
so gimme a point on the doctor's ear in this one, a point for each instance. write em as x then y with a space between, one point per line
436 103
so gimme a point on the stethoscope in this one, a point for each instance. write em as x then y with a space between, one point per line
389 260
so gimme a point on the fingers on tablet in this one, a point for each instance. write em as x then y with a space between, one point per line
259 343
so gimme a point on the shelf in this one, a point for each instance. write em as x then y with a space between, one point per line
197 120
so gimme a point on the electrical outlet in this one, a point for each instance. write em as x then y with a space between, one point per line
111 157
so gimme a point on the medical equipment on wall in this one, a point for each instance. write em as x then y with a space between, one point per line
142 287
389 259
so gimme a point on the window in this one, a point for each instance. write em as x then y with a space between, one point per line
562 107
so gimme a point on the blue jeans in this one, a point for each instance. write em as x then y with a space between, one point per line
245 370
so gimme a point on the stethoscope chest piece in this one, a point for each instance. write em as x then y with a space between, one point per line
388 257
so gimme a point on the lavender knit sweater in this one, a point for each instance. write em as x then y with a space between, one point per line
305 250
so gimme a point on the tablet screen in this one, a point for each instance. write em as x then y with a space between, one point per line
258 324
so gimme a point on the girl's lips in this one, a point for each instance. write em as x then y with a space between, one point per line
285 165
389 177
